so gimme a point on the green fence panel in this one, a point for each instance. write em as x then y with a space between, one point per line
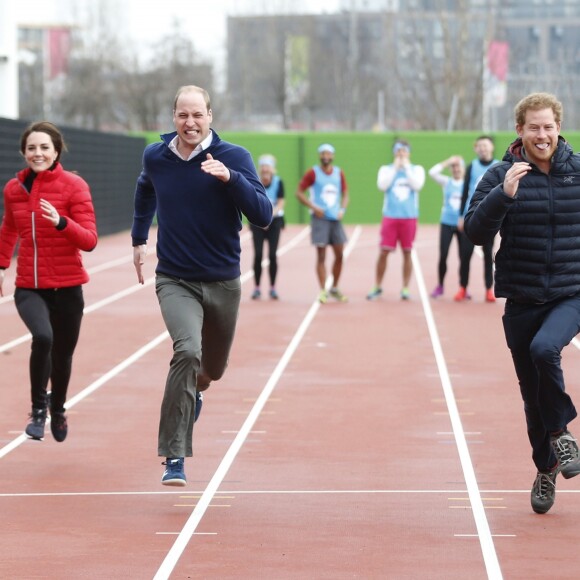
360 155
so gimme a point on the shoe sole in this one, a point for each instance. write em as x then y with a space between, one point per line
541 511
34 438
571 473
174 482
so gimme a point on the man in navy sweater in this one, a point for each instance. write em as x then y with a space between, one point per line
199 186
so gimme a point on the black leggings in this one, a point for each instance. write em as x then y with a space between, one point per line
446 234
53 317
272 234
466 248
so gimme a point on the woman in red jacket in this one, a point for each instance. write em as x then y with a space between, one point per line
50 212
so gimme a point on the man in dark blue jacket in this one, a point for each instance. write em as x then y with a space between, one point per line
198 186
533 199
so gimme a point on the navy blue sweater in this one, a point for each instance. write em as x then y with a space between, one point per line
199 217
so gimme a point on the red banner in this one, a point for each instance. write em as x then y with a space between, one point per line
58 51
498 59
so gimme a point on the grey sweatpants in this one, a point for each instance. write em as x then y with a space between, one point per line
201 320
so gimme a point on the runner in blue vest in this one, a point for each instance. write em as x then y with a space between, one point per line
275 191
401 182
327 203
484 148
452 192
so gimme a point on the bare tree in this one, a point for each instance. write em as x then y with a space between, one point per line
146 94
439 71
109 88
88 98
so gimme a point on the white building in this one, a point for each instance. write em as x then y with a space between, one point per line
8 61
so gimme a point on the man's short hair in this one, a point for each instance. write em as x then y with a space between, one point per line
193 88
537 102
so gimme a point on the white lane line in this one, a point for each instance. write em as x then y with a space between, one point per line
285 249
112 263
476 536
177 533
95 385
190 526
8 345
135 288
100 304
479 252
121 366
487 547
93 270
234 492
118 295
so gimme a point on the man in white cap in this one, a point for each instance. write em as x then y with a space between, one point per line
327 202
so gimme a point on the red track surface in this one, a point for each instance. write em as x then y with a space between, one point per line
364 440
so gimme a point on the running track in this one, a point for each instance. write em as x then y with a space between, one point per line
379 440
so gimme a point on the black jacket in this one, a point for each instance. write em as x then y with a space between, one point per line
539 256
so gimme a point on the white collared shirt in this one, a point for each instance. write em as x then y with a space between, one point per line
203 145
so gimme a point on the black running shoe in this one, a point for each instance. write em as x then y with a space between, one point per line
58 426
544 491
566 449
35 429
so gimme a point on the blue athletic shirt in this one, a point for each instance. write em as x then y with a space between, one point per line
452 192
452 195
326 192
272 191
477 170
401 202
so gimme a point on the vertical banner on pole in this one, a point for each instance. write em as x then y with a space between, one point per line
497 67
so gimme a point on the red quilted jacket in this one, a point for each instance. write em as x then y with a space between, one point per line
48 257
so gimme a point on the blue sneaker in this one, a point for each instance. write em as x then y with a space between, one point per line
374 293
198 404
174 473
35 429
